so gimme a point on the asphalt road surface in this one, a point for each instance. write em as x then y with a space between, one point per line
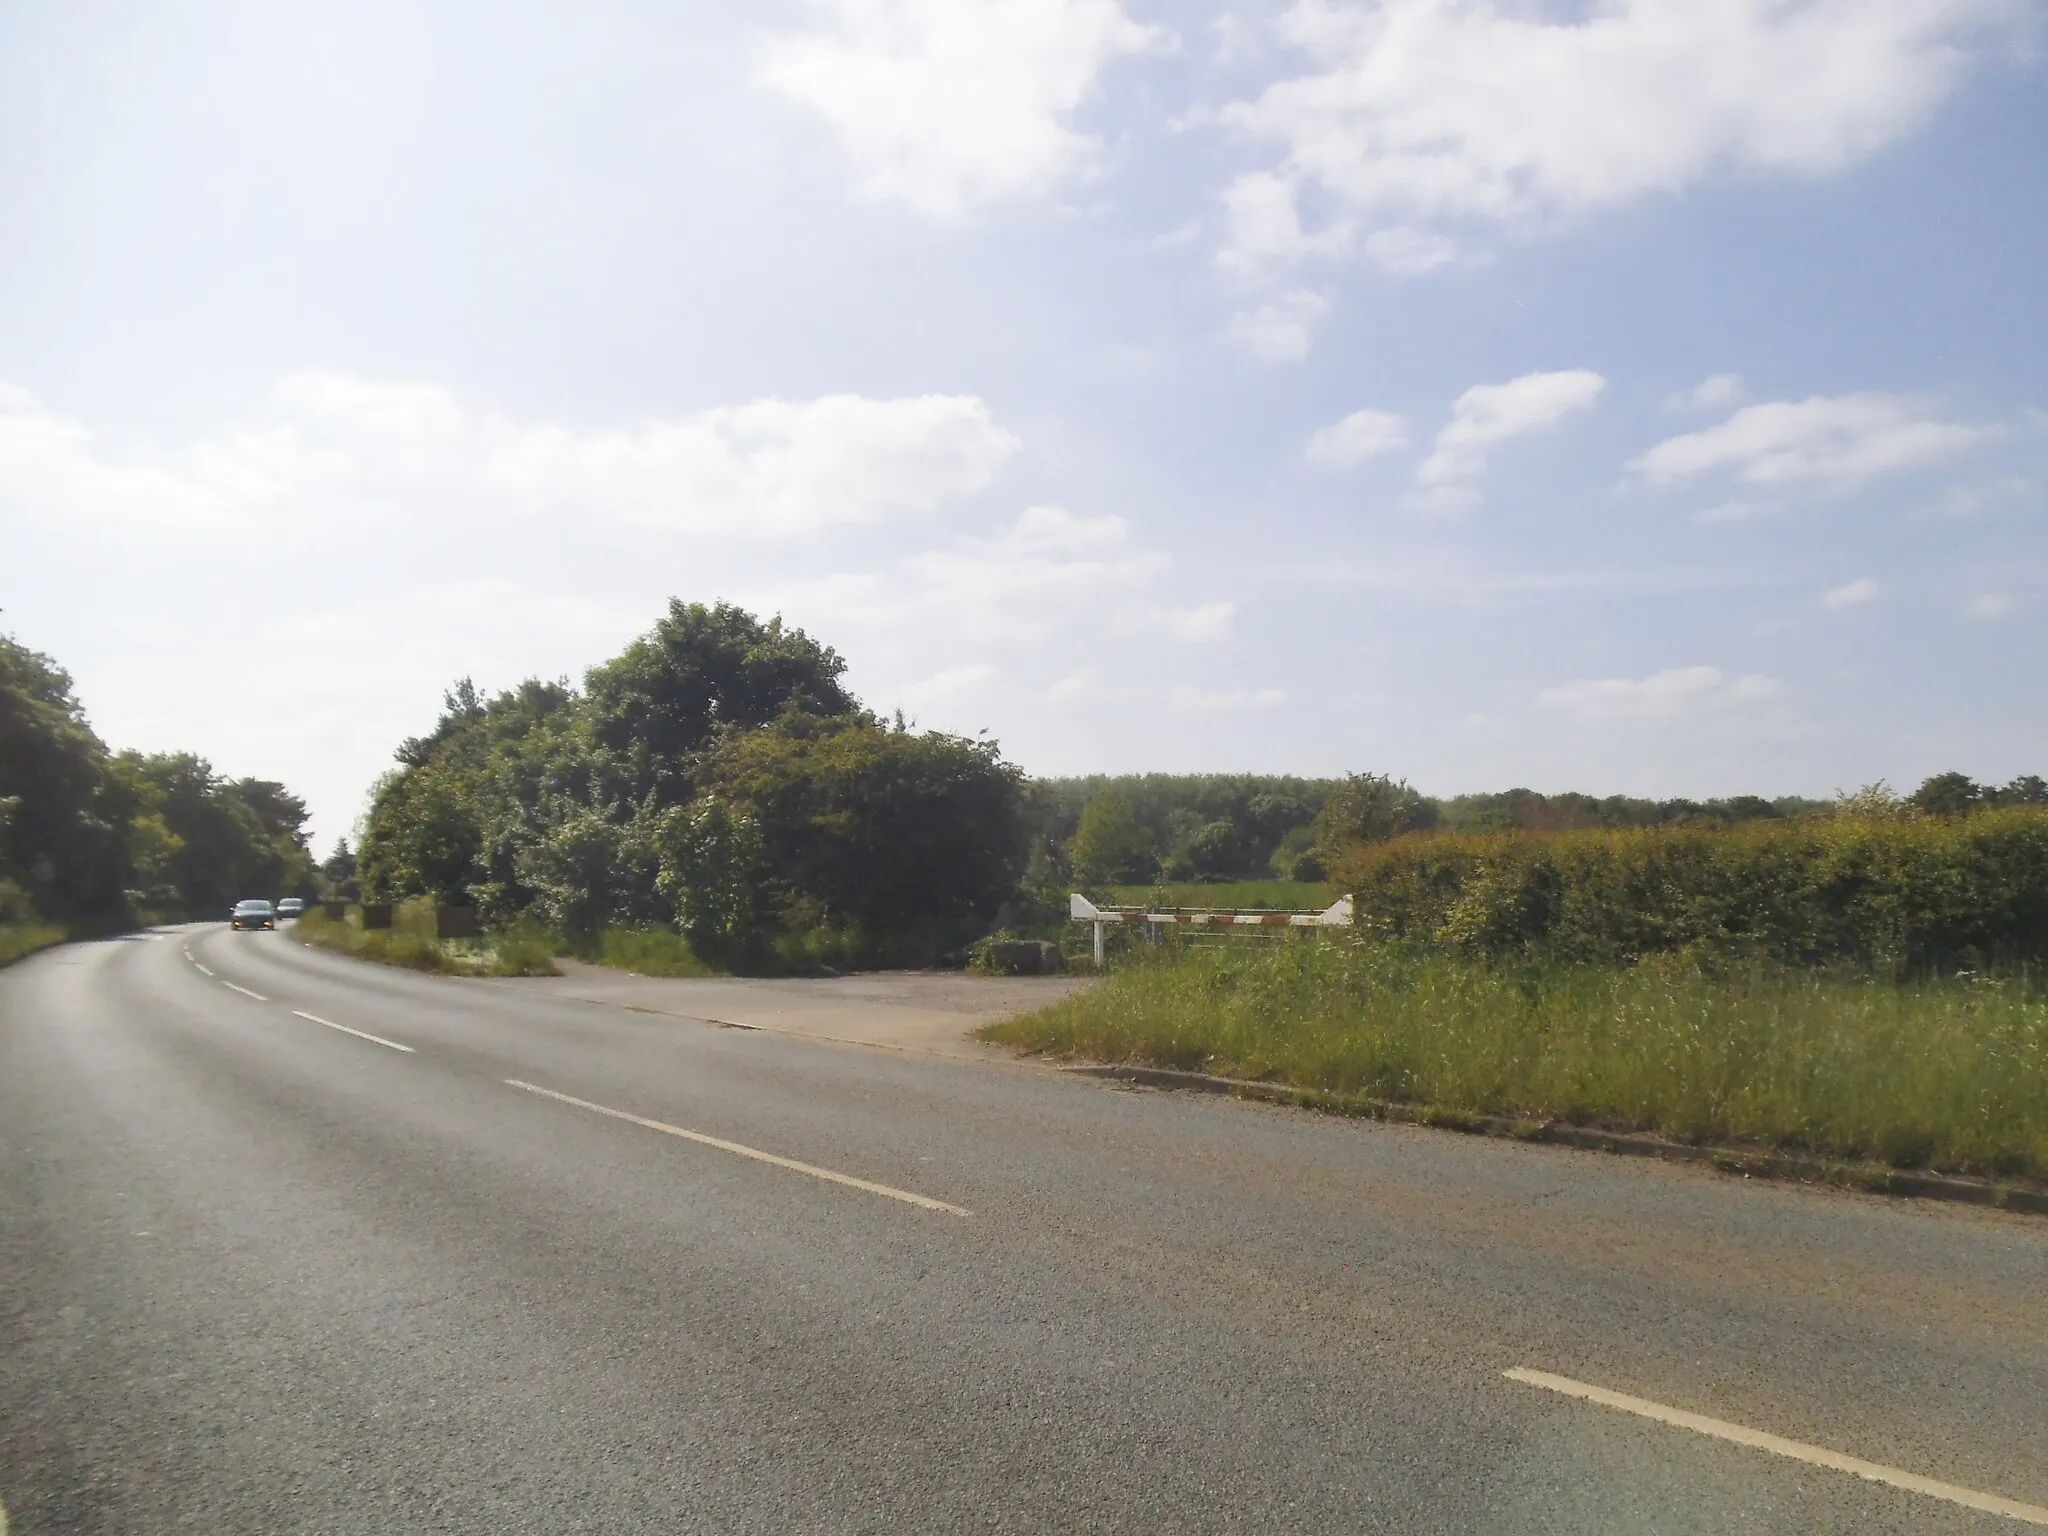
259 1274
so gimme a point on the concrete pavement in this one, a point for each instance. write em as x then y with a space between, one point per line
933 1013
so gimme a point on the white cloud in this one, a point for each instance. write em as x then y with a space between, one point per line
1970 499
1358 437
948 107
1075 685
1491 413
1679 691
773 467
1720 392
1433 117
1991 605
50 466
1819 444
1190 699
1052 577
1279 331
767 469
949 683
1849 594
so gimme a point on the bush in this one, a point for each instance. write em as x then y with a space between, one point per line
1904 896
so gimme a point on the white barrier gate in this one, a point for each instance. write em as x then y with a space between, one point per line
1081 910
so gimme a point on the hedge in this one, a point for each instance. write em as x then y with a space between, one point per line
1904 896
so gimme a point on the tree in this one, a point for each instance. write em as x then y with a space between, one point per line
63 811
281 813
699 669
220 850
2027 789
1371 808
1947 794
339 871
1110 844
1216 851
422 838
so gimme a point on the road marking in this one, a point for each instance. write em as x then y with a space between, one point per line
923 1201
203 970
1758 1440
243 990
314 1018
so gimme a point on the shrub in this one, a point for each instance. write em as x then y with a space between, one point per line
1905 895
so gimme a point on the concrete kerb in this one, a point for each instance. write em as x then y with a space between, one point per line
1755 1162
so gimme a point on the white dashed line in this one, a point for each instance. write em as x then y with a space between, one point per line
243 990
1758 1440
314 1018
925 1202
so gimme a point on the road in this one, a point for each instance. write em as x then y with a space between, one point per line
259 1274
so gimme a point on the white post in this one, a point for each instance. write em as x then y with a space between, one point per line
1081 909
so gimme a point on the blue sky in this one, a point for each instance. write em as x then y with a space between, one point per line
1646 396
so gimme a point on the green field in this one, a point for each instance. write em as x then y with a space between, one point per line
1950 1074
1275 895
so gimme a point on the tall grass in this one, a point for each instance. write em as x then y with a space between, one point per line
645 951
1951 1074
20 940
410 942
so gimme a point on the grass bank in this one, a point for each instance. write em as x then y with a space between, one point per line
20 940
410 942
1947 1074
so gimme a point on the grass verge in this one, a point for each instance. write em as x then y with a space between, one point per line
1950 1075
646 951
20 940
410 942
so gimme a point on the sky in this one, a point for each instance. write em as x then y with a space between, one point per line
1628 396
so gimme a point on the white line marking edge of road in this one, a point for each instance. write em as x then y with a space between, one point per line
243 990
924 1202
1777 1445
360 1034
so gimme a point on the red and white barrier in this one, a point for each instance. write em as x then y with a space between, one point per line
1081 910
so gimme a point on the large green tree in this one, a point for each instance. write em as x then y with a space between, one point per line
698 670
220 840
63 814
